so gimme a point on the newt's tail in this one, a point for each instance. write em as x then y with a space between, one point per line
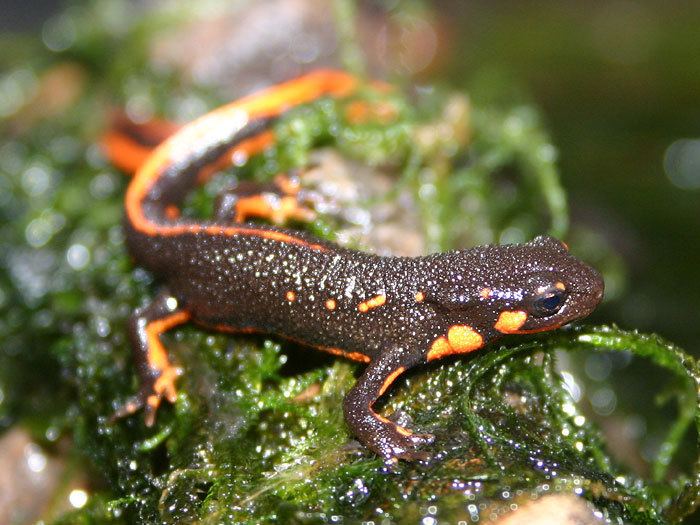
127 144
226 136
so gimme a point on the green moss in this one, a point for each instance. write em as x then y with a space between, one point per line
255 436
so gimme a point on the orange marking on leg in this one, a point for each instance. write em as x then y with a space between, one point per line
419 297
157 355
153 401
331 304
289 208
374 302
464 338
401 430
291 296
165 384
272 208
485 293
253 206
391 378
510 321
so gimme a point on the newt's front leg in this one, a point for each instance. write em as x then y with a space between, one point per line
381 435
156 372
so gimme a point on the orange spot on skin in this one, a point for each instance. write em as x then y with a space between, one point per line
390 379
291 296
464 338
560 286
485 293
420 297
331 304
440 348
510 321
460 339
374 302
172 212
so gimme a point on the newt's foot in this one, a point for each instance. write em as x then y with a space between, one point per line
151 395
393 442
406 448
163 387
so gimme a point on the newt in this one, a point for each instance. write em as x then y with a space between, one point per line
389 313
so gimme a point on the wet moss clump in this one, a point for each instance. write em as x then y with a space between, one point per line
257 434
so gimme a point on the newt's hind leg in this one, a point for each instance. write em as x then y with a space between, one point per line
279 202
381 435
157 374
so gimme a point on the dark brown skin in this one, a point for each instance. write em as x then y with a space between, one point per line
392 313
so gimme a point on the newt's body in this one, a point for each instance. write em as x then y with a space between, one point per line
392 313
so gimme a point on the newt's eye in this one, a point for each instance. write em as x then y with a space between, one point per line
548 301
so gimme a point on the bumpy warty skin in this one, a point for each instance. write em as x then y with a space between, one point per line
243 282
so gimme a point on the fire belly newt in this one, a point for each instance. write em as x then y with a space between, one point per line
390 313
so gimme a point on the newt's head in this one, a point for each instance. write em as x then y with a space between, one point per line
521 288
544 288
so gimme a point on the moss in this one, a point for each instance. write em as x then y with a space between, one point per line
257 435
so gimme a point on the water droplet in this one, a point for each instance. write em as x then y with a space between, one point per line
682 164
36 460
77 256
78 498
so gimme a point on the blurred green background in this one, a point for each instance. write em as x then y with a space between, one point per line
619 86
